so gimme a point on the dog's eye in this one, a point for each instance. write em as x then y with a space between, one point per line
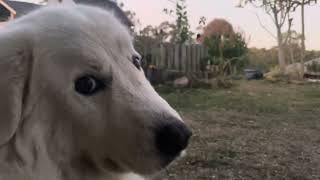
136 62
89 85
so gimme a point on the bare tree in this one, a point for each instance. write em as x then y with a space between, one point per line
279 11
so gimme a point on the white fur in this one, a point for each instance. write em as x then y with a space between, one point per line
50 132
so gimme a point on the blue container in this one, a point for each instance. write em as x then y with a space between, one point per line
253 74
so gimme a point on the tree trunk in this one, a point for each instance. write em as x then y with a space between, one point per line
303 46
291 53
289 40
281 54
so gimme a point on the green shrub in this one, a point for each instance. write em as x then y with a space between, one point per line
314 67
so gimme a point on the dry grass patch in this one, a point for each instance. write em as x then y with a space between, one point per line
256 130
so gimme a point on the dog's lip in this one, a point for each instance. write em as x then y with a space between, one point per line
110 164
167 160
183 154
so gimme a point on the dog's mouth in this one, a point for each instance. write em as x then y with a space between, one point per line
167 160
112 165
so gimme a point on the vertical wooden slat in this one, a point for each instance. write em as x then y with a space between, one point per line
162 56
191 58
205 51
167 51
172 56
145 51
180 57
176 57
188 58
199 49
154 55
159 55
167 55
151 52
194 58
168 48
189 55
183 58
155 52
203 55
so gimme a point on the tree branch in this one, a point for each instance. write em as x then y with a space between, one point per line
263 26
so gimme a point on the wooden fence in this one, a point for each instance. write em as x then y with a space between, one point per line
175 57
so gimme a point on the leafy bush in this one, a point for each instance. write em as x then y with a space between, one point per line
314 67
226 51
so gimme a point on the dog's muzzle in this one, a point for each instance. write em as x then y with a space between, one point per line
171 139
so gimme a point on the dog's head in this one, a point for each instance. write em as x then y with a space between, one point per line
71 79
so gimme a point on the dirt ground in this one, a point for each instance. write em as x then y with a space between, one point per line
255 130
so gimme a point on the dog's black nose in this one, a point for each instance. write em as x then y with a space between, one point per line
172 138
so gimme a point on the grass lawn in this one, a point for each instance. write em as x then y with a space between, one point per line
255 130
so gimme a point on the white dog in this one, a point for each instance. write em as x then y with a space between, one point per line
74 102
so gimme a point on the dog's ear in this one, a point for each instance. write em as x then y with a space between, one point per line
14 70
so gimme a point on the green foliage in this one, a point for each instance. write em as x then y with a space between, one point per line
226 50
235 46
213 45
151 36
314 67
181 32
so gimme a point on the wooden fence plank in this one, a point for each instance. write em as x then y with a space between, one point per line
167 56
189 55
172 56
194 58
162 57
199 49
184 58
188 63
170 59
177 57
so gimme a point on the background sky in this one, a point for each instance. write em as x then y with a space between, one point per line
150 12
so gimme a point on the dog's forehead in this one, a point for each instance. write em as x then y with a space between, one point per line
89 32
